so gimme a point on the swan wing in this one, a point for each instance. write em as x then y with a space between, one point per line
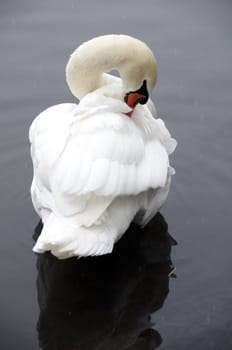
48 135
108 154
99 153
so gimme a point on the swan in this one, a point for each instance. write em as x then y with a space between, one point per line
103 163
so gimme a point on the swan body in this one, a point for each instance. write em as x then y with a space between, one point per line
103 163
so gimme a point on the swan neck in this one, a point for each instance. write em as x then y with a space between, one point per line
84 71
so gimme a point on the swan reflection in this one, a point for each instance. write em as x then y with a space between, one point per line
105 303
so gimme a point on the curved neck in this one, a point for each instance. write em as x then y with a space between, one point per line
133 59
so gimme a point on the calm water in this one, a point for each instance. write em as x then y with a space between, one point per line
128 300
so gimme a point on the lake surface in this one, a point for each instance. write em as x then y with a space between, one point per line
131 299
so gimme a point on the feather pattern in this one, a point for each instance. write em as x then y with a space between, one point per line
97 164
96 170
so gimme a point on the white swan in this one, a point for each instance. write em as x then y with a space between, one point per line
103 163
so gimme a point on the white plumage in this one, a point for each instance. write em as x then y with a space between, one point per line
96 169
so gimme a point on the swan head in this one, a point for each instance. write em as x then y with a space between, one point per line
141 96
131 57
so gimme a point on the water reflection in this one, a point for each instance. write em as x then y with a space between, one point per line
105 303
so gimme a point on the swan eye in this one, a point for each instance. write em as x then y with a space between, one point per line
143 100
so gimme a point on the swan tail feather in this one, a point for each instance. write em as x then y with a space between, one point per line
64 239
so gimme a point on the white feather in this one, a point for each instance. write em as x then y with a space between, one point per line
96 169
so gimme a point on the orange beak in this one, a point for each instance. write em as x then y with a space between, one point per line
134 97
132 100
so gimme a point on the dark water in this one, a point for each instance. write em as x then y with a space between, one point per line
127 300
